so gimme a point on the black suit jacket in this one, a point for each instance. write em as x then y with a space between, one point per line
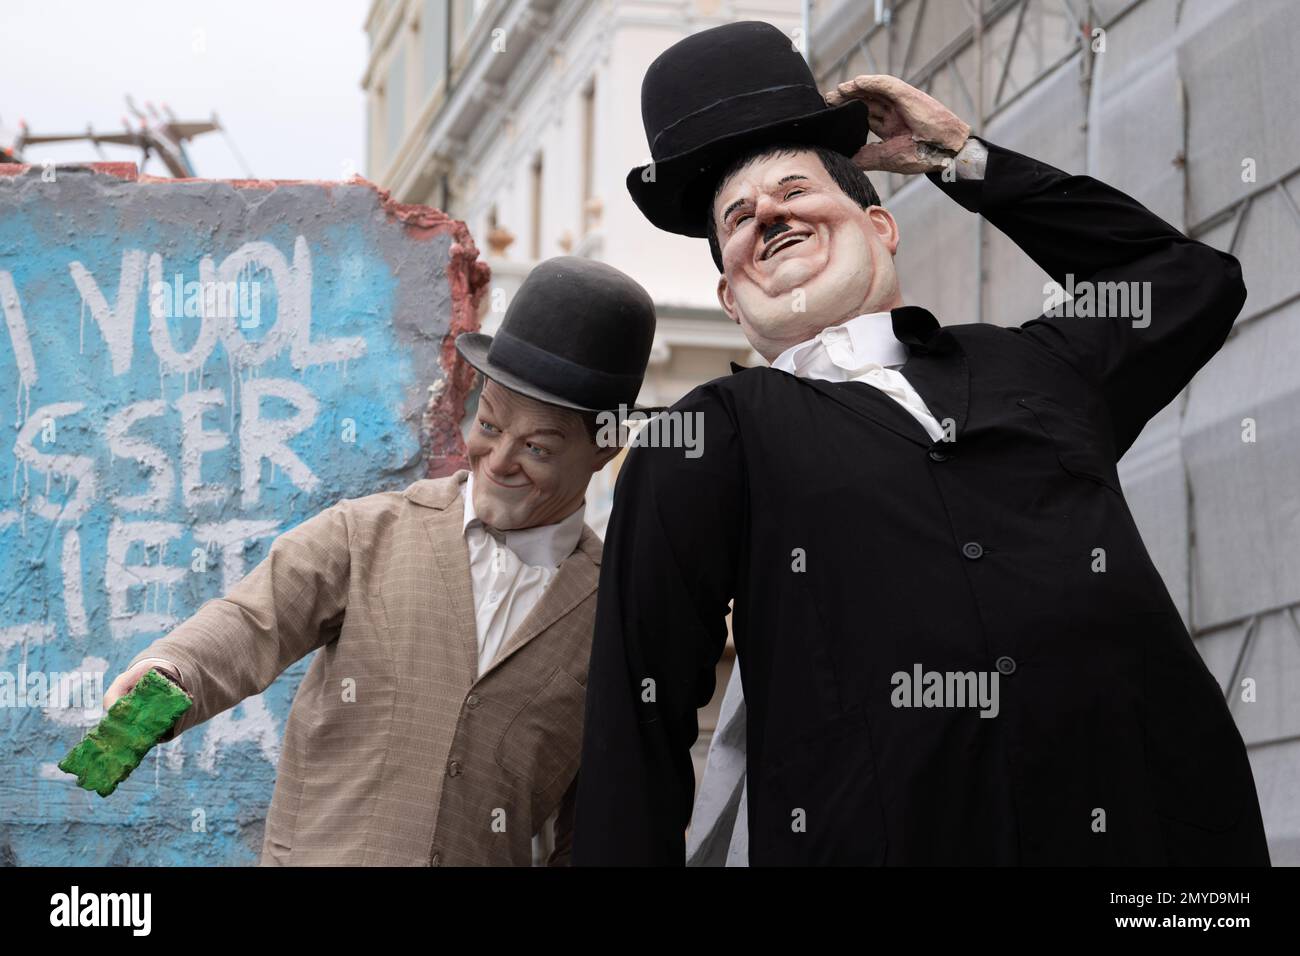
1112 743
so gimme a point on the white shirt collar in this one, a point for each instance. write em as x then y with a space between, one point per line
870 338
545 546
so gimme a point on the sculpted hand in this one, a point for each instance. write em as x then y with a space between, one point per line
126 681
918 133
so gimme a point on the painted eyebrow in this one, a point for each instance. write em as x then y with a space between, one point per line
727 212
780 182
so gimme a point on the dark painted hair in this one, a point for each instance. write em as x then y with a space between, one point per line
849 178
589 419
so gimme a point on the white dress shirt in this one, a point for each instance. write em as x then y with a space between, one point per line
509 571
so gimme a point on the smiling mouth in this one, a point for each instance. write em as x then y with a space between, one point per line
782 242
502 484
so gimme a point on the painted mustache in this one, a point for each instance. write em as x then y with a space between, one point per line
775 238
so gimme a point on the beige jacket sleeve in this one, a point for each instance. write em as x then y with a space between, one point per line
286 607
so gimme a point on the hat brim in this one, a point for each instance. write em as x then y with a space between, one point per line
676 197
473 348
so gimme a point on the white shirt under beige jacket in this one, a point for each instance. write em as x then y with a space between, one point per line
509 571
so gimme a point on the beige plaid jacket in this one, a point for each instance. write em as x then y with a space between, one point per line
395 752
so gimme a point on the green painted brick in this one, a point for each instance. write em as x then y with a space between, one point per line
116 745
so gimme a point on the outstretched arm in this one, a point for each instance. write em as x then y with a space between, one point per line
290 604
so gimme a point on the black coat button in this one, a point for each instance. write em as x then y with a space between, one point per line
453 769
973 550
937 455
472 701
1005 665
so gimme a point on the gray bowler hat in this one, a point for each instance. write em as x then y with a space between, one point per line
576 334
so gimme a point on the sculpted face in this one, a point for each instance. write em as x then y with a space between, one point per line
531 461
798 254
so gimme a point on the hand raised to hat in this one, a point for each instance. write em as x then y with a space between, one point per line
918 133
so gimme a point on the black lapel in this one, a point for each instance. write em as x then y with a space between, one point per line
871 402
936 365
865 400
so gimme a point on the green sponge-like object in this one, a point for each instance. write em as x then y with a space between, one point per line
116 745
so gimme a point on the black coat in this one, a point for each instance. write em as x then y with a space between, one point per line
1113 743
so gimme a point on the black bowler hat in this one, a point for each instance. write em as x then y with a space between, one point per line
576 334
716 93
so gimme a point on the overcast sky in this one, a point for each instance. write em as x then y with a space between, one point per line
283 76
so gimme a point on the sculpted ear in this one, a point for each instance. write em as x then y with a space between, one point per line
886 227
727 300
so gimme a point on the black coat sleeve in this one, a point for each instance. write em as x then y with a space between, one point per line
1077 225
667 575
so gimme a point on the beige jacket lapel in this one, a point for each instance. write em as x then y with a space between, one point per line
443 524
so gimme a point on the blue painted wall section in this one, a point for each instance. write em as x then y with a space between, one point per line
188 368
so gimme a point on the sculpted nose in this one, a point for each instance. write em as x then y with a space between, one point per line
501 459
768 210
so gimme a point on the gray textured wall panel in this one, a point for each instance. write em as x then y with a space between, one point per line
1246 498
1220 651
1268 245
1277 779
1139 137
936 258
1272 663
1047 122
1135 40
1239 68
